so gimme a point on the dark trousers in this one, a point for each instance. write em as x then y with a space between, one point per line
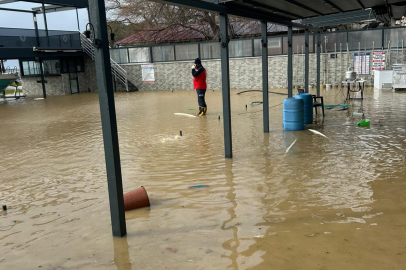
200 97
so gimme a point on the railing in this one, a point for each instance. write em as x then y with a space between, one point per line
352 40
27 38
118 72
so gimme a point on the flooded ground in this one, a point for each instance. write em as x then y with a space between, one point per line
335 203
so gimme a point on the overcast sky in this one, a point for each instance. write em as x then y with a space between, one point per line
64 20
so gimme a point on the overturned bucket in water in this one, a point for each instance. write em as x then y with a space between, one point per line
136 199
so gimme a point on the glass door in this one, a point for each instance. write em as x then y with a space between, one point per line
73 77
74 83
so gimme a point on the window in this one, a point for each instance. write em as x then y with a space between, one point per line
72 65
32 68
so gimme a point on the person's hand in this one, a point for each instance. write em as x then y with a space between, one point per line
194 66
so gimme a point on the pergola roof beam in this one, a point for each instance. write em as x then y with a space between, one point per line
253 3
303 6
361 4
244 12
333 5
16 10
2 2
52 8
68 3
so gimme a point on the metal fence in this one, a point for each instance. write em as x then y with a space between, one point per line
352 40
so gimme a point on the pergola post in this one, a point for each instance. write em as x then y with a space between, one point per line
36 28
265 95
318 63
108 117
225 78
45 22
290 64
306 78
41 68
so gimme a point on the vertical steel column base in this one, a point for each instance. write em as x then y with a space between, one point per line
265 95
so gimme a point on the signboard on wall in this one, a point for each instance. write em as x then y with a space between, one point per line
148 73
378 61
361 63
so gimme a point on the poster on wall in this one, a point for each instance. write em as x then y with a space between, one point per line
148 73
361 63
378 61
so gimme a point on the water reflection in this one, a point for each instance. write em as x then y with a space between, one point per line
229 225
121 253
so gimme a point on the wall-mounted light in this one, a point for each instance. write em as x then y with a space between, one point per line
89 31
111 33
90 34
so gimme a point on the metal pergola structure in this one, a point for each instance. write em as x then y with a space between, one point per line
278 12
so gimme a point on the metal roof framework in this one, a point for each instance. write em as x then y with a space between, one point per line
284 12
52 5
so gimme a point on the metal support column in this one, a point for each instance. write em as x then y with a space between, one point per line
151 56
290 64
108 117
45 22
306 79
41 67
36 29
225 78
265 97
77 17
318 63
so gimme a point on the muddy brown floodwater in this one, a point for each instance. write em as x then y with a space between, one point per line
328 203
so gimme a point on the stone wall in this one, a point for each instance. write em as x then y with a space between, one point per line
245 73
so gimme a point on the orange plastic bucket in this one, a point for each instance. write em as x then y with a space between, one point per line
136 199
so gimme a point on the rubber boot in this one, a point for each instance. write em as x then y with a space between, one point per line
204 110
200 113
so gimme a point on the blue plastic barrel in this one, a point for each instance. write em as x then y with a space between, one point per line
308 108
293 114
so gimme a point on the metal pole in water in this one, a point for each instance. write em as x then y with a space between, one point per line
297 64
318 63
306 69
265 94
225 78
335 63
402 52
108 117
41 67
290 66
303 64
348 57
341 64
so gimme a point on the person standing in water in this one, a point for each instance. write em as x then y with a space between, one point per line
199 83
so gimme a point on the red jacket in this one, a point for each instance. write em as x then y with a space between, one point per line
199 78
